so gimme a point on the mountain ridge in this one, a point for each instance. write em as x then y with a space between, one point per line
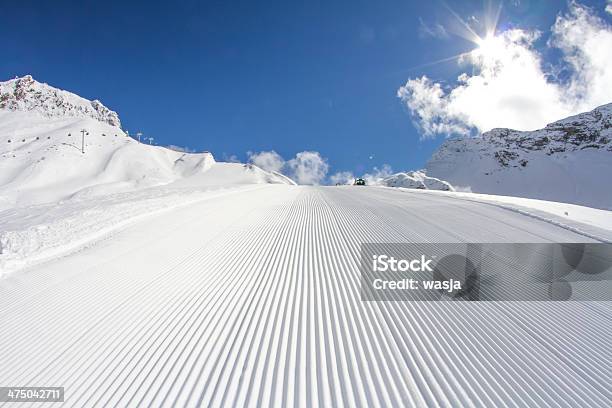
27 94
566 161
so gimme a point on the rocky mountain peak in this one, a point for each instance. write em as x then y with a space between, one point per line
27 94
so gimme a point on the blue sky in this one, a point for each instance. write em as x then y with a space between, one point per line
238 76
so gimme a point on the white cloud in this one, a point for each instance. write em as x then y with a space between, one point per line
230 158
375 177
511 88
586 42
609 7
269 161
308 168
342 177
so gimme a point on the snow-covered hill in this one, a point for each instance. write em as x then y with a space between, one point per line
42 159
415 179
568 161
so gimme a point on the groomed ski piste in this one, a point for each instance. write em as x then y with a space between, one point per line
136 275
250 296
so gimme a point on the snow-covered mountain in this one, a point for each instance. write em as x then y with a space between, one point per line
26 94
415 179
42 159
568 161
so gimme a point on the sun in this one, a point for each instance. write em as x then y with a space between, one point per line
490 47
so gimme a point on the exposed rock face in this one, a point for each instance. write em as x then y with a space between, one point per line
27 94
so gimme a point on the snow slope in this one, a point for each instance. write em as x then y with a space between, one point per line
590 222
41 158
568 161
32 234
253 298
151 277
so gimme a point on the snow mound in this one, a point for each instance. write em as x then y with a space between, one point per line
415 179
568 161
27 94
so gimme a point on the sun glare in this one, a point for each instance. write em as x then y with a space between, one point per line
490 46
